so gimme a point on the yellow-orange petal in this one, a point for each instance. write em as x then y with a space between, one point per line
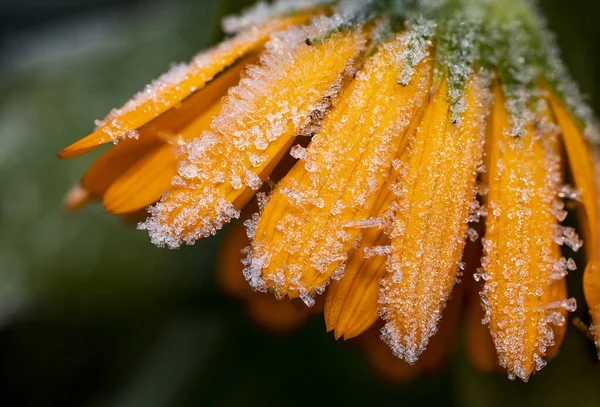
557 294
143 184
520 252
351 301
428 241
393 369
351 305
258 123
149 177
584 170
314 216
114 162
174 86
175 127
479 344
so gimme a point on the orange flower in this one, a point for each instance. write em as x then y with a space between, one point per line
423 119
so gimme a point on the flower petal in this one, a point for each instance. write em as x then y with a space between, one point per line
258 123
480 346
193 118
396 370
584 170
309 225
520 252
176 85
115 161
143 184
351 302
557 293
150 176
428 242
351 305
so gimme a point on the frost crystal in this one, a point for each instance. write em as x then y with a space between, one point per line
356 82
272 101
373 251
262 12
330 202
417 44
565 235
569 192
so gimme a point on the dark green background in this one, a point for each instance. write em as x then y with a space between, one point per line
91 314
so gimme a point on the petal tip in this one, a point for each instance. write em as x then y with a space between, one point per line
76 198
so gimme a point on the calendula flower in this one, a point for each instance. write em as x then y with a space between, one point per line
411 121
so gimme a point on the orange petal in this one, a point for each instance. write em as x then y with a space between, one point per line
557 293
114 162
520 251
194 117
429 238
352 301
258 123
173 87
583 167
480 346
143 184
309 225
397 370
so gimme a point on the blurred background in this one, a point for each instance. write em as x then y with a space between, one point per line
91 314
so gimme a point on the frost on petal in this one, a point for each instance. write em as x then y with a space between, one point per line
585 173
308 227
174 86
520 255
440 186
255 128
262 12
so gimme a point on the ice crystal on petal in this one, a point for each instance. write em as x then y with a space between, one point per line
364 223
262 12
569 192
425 262
373 251
472 234
273 101
522 228
565 235
569 305
558 210
332 199
307 298
418 41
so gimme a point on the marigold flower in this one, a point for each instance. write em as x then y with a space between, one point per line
424 118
